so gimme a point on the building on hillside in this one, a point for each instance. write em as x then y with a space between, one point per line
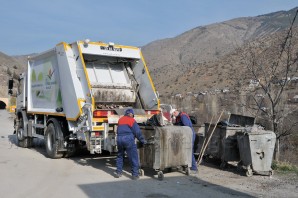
178 95
254 83
295 99
225 90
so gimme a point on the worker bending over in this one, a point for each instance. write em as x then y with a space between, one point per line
183 119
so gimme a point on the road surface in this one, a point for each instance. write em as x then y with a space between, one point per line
29 173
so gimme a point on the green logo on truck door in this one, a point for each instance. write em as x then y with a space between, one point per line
45 90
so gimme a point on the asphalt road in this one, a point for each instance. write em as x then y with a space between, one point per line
29 173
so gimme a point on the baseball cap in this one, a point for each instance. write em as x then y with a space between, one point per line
128 111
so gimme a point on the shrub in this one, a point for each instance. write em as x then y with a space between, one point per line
284 167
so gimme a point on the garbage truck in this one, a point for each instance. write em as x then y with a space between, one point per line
73 95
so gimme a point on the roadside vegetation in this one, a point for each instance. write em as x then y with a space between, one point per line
284 167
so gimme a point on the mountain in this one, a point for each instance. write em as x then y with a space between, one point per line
202 58
201 47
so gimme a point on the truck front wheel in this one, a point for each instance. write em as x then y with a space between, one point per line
51 142
22 141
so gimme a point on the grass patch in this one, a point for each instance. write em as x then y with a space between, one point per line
284 167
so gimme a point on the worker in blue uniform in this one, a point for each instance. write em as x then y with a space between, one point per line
127 131
183 119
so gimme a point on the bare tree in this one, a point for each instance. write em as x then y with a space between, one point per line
271 66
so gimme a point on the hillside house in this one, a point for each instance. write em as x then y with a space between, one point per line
254 83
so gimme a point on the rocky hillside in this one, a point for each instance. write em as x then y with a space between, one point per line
9 67
195 55
230 71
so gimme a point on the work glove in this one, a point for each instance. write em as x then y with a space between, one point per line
140 144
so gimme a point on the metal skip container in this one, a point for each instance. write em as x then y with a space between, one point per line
168 147
256 151
223 143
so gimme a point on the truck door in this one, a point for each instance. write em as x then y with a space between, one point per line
21 102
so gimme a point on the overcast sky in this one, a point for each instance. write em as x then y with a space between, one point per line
32 26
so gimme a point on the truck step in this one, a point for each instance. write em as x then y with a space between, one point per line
38 126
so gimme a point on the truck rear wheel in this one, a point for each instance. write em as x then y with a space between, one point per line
22 141
51 142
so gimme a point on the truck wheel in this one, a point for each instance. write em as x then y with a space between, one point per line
51 142
22 141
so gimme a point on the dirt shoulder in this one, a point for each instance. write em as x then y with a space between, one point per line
278 185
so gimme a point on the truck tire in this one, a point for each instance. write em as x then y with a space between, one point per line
51 141
22 141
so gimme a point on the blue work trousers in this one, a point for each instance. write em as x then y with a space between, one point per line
127 143
193 161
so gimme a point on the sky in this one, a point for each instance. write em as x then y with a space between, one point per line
33 26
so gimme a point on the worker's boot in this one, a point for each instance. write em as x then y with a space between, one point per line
117 175
193 172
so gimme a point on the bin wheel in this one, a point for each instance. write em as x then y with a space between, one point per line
249 173
187 171
183 168
141 172
180 168
160 175
271 173
223 165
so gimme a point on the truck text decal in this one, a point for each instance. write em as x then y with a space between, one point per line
111 48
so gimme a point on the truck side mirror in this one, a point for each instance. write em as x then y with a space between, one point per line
10 86
10 83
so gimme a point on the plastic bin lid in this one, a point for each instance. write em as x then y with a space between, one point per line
241 120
